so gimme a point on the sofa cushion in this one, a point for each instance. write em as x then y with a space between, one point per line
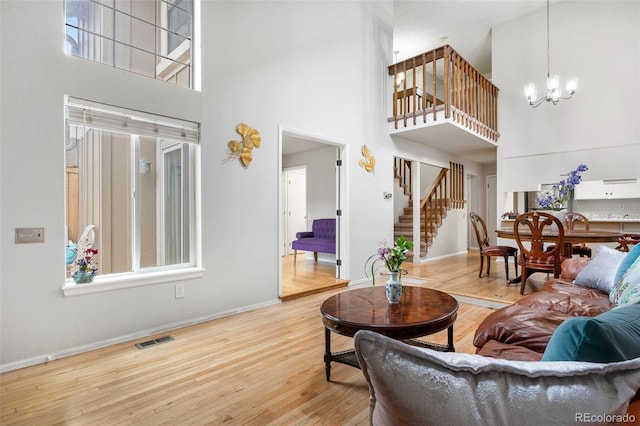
519 325
568 299
627 285
631 257
571 267
609 337
410 385
496 349
601 271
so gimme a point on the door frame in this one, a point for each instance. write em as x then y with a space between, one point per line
491 206
340 205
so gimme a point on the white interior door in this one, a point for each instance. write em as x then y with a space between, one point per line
295 204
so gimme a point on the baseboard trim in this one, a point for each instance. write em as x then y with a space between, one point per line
40 359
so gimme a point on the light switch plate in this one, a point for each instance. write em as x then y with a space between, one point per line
29 235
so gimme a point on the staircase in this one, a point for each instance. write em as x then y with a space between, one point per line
441 197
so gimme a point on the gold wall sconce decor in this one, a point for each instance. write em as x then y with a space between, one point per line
242 149
369 161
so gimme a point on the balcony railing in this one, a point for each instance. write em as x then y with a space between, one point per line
441 80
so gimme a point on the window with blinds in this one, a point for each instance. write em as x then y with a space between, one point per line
135 187
152 38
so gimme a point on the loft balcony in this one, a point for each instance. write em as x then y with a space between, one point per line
440 100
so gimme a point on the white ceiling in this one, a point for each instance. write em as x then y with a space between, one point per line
422 25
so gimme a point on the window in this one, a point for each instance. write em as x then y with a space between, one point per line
131 179
151 37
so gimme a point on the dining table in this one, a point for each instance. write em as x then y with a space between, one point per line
571 237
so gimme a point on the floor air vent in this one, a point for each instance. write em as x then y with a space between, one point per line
154 342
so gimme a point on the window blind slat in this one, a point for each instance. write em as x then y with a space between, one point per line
120 120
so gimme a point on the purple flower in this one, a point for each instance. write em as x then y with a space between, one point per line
561 192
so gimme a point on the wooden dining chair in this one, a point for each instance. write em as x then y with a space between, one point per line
628 240
532 227
571 220
489 251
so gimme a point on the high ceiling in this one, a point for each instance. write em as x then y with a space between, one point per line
422 25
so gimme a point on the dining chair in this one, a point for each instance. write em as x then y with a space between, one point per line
534 227
628 240
570 221
489 251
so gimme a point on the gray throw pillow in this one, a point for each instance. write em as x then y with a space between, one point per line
600 272
410 385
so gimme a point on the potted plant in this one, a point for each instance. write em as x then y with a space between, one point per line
390 258
85 267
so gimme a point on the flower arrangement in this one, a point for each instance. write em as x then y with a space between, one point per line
86 263
556 198
390 257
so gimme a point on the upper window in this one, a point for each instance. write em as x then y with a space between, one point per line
152 37
130 188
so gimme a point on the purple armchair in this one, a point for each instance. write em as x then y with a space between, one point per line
322 238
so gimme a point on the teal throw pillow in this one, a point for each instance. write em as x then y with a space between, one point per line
609 337
629 280
631 257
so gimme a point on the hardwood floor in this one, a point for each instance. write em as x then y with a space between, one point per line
304 277
260 367
458 275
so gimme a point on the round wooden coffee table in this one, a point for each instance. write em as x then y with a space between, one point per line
421 312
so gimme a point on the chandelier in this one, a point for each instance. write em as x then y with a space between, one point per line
554 91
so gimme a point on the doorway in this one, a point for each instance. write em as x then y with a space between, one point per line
310 188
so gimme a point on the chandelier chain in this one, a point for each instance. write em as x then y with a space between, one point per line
548 60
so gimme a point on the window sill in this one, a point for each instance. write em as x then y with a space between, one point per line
122 281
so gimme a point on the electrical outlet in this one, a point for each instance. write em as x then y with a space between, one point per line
179 291
621 206
29 235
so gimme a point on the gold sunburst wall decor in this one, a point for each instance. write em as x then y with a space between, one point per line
242 149
369 161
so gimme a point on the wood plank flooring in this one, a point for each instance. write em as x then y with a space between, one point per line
263 367
304 277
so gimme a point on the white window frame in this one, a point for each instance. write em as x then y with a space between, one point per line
173 61
167 64
137 124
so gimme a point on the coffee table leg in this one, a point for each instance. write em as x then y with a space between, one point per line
450 347
327 353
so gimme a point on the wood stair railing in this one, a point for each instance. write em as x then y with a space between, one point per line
442 80
402 172
446 193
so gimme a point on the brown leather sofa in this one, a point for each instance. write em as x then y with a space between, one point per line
522 331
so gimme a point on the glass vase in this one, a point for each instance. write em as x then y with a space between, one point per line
82 277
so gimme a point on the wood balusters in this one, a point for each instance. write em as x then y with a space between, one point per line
466 96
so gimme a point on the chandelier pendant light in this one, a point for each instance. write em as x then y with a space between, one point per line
554 90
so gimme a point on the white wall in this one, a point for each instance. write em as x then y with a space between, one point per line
315 66
35 74
597 41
